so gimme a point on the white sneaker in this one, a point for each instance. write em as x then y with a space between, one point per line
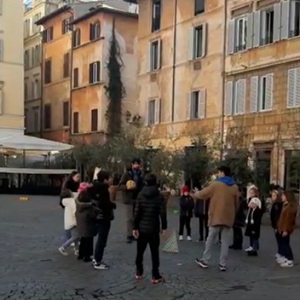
249 249
287 264
181 238
63 251
189 238
277 256
281 260
76 252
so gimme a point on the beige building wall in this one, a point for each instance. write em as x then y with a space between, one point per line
11 67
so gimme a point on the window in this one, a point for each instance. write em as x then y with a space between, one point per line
155 55
267 26
196 105
94 120
75 122
75 78
199 6
36 28
48 34
235 97
36 89
240 34
94 72
66 113
36 119
76 38
95 31
153 116
66 25
37 54
1 5
48 71
197 41
156 14
25 91
293 93
1 50
47 116
27 27
26 121
66 67
295 24
26 60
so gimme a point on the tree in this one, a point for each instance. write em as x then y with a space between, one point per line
115 90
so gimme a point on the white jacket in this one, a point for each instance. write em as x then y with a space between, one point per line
70 209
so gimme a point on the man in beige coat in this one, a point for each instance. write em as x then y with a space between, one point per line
224 201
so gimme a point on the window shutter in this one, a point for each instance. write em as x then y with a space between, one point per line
269 92
263 30
254 94
44 36
204 36
189 106
1 50
291 88
256 28
157 111
250 23
51 33
240 96
91 73
191 43
148 58
98 71
277 22
228 98
160 54
297 96
91 32
202 104
147 113
285 15
231 37
292 18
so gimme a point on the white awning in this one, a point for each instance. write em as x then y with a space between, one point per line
30 143
35 171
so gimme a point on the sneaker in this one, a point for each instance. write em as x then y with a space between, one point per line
101 266
287 264
281 260
252 253
277 256
222 268
87 259
181 238
248 249
157 279
63 251
189 238
138 276
201 263
76 252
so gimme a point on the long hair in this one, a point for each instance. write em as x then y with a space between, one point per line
291 199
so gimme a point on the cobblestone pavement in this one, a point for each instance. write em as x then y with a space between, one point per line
32 268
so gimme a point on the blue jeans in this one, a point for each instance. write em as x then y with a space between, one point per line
254 243
67 235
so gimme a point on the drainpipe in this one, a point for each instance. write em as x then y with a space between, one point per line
223 81
174 61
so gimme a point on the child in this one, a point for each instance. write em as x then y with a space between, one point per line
253 223
186 213
86 214
68 201
275 214
285 228
149 218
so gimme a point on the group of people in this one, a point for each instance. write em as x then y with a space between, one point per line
225 205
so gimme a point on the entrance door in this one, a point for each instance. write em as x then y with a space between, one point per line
263 169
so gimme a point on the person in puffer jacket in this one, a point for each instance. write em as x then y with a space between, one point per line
99 193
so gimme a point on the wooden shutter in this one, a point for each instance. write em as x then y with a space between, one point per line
149 58
147 113
94 120
269 92
202 104
189 106
254 94
263 29
91 73
91 32
240 96
75 122
250 24
51 33
285 16
75 78
277 22
191 43
297 93
47 116
291 88
292 18
98 71
44 36
66 65
157 111
66 113
231 37
48 71
159 54
204 37
256 28
228 98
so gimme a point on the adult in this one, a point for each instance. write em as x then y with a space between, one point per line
131 192
224 202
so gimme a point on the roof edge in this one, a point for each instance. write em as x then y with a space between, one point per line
53 14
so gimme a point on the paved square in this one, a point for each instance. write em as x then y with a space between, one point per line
32 268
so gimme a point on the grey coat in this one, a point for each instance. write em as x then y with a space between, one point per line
86 214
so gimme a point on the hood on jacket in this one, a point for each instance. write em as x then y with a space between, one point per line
227 180
150 191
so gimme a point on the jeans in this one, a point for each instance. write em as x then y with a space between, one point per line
213 234
75 238
153 240
254 243
185 221
203 219
86 247
285 247
129 217
103 228
67 235
278 236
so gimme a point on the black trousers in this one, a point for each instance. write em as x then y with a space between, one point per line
237 237
103 228
153 240
285 247
203 219
86 247
185 221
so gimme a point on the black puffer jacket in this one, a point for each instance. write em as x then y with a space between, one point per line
150 211
275 213
99 194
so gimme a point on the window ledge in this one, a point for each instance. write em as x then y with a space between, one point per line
88 42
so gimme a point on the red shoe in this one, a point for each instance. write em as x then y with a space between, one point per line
157 279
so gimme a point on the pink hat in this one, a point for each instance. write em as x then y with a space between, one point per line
84 186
